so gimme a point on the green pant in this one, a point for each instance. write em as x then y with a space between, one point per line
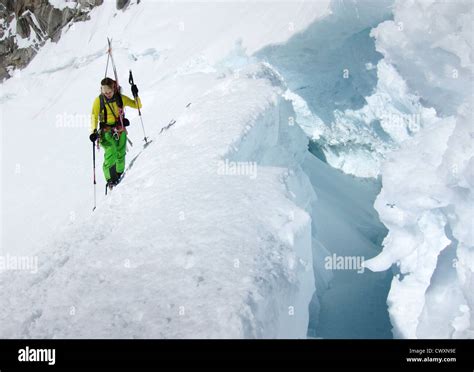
114 156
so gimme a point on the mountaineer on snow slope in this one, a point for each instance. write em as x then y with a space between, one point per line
107 114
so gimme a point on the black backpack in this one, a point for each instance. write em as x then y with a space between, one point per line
103 109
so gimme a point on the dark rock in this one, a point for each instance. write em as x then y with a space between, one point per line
37 20
122 4
23 27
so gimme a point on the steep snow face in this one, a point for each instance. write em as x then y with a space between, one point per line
427 195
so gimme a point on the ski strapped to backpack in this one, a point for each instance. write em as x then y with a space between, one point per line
120 119
117 87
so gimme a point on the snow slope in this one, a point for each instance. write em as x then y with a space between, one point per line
178 250
181 248
59 85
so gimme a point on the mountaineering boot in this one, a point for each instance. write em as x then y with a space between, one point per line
109 186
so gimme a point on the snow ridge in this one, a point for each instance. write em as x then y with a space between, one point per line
184 248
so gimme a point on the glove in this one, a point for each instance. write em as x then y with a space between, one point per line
94 135
126 122
134 90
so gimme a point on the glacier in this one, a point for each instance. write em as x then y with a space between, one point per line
303 133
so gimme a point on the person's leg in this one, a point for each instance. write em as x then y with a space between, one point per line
109 144
121 151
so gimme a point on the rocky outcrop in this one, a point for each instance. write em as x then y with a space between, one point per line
25 25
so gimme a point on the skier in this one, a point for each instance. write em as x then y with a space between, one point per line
107 109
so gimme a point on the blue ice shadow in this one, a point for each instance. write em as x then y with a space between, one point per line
326 64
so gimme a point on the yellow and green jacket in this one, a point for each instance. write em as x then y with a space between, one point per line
96 114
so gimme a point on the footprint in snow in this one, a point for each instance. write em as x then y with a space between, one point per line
187 261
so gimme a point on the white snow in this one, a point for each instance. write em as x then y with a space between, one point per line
62 4
177 250
430 43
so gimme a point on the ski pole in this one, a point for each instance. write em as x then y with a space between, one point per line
93 167
135 96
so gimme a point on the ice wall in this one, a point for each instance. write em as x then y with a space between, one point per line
427 195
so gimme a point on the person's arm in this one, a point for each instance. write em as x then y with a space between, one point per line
131 102
95 114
